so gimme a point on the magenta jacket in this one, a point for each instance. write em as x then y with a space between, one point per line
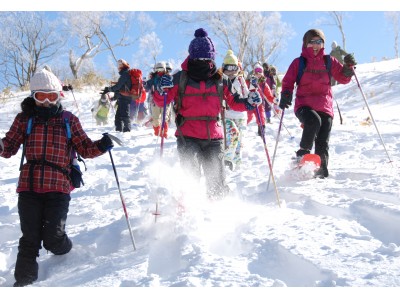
199 106
314 89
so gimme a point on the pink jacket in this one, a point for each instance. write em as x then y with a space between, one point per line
200 106
314 89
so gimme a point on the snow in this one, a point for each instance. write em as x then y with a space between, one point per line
341 231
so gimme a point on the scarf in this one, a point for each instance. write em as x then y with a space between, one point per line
201 70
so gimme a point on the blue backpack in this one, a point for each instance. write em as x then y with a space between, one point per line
302 67
75 175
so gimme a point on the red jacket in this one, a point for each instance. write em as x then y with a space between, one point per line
199 106
314 89
47 141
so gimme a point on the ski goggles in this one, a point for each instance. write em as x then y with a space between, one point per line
50 97
231 68
316 42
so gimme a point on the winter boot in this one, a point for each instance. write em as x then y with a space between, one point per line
26 270
299 155
165 131
156 130
322 172
259 130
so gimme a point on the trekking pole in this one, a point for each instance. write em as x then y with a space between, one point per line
276 113
121 196
276 144
268 158
163 124
76 103
340 114
370 113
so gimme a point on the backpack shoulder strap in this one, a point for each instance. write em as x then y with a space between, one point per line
28 131
328 64
183 80
302 66
66 115
220 89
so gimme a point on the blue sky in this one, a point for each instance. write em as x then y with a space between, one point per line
368 35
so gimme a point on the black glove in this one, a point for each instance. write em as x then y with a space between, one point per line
286 99
105 144
67 88
349 60
349 63
106 90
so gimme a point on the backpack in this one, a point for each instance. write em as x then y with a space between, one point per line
137 88
103 111
302 67
181 93
75 174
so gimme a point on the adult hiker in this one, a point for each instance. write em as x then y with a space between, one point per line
337 53
44 183
122 115
314 100
157 109
198 90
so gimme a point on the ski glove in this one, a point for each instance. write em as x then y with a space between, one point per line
254 99
106 90
286 99
165 82
105 144
254 81
349 63
67 88
349 60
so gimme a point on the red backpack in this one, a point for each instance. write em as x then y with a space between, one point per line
137 90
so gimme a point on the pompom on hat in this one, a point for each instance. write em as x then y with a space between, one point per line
201 46
45 80
311 34
230 58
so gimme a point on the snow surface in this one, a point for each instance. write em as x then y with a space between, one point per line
342 231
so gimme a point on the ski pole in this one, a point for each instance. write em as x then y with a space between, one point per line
276 144
76 104
370 113
163 124
268 158
122 199
275 111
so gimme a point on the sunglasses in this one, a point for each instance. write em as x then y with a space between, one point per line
231 68
42 97
316 42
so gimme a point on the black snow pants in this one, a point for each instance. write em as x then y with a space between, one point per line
42 218
317 128
122 115
208 155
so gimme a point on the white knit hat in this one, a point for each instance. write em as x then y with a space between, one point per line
44 80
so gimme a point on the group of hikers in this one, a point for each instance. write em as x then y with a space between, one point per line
200 95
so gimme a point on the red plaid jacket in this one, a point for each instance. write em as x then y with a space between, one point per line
47 142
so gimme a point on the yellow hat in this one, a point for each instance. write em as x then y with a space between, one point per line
230 58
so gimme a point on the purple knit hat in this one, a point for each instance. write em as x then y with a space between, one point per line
201 46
